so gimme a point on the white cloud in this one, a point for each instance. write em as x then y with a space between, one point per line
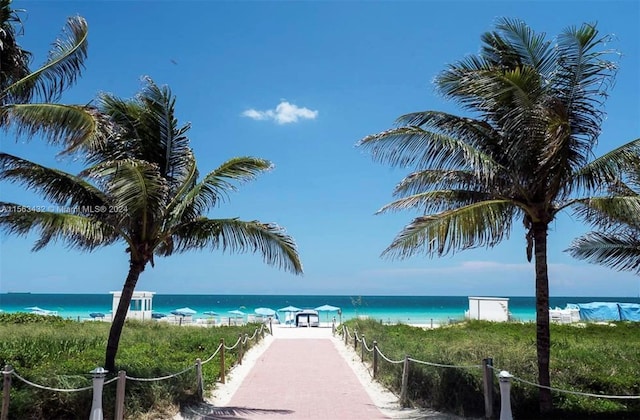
284 113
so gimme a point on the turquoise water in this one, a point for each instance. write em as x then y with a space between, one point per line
392 309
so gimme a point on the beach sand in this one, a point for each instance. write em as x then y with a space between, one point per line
386 401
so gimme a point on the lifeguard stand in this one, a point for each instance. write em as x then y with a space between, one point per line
140 307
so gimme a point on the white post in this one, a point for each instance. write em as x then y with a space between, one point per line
98 382
505 395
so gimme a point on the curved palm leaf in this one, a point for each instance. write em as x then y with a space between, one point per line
73 126
66 190
479 224
617 251
64 65
235 236
436 201
14 61
75 230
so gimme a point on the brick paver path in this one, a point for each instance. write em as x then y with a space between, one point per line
301 379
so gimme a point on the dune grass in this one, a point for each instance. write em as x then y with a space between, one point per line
60 353
591 358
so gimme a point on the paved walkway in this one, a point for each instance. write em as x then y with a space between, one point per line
302 377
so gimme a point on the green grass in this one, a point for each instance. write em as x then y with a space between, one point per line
598 359
60 353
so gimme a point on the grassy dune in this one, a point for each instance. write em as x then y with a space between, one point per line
598 359
60 353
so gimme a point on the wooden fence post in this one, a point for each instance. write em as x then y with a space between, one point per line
222 375
375 359
6 391
404 400
362 350
487 377
199 382
346 335
240 350
355 340
120 388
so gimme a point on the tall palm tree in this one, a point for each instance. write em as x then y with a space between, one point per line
28 97
143 189
522 153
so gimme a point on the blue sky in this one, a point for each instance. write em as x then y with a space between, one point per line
299 83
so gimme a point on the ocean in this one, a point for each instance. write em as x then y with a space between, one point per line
389 309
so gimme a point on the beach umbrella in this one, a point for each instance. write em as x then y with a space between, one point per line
210 313
96 315
236 312
157 315
327 309
184 312
265 311
34 309
289 309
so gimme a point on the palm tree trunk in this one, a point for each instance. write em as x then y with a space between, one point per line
117 324
543 336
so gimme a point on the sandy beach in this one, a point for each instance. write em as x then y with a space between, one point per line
383 399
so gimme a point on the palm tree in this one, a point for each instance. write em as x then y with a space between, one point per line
28 97
143 189
523 153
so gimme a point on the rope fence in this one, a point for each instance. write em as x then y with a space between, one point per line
98 378
489 371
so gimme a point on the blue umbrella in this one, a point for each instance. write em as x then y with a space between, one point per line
289 309
237 312
265 311
96 315
184 312
157 315
327 308
210 313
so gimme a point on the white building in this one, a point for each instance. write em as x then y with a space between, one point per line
488 309
140 307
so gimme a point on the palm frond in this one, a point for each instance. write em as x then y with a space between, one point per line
532 49
72 126
436 179
237 236
618 251
216 185
75 230
64 189
135 188
606 212
479 224
14 60
63 66
436 201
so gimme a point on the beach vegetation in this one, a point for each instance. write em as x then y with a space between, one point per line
59 353
601 359
143 189
522 153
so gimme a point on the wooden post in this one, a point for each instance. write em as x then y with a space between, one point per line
6 391
346 335
222 375
362 350
404 401
487 379
199 383
120 388
355 340
240 350
375 359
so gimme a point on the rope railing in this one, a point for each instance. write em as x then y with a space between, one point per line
504 376
566 391
98 376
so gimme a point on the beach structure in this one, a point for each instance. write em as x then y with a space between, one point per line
488 309
307 318
140 307
596 312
